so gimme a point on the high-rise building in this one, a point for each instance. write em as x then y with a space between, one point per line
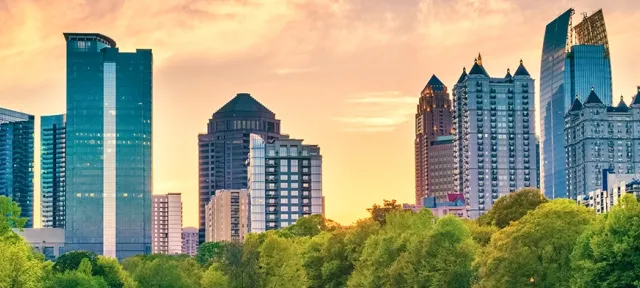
227 217
167 224
16 160
574 59
285 182
223 150
52 170
441 167
494 136
190 241
597 137
433 119
109 155
614 187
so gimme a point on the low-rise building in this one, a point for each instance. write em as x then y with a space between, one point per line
614 187
454 205
48 241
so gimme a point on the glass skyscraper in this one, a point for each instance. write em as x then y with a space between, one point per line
52 170
109 116
16 160
224 150
573 61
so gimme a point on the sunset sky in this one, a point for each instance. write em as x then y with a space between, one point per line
345 75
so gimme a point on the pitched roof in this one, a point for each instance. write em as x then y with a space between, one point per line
576 106
508 76
477 69
521 71
593 98
622 107
463 76
435 84
243 104
636 100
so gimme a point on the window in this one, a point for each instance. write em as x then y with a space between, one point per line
284 185
294 201
293 151
294 192
284 193
284 216
294 208
283 150
284 201
284 208
294 216
284 177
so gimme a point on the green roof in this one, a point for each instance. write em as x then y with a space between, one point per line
243 105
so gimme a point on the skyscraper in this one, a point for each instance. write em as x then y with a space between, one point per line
223 150
16 160
190 241
494 136
433 119
573 61
167 224
600 138
227 216
52 170
109 155
285 182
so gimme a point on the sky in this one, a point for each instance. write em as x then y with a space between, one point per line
342 74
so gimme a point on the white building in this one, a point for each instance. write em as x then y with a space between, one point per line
167 224
190 241
48 241
615 186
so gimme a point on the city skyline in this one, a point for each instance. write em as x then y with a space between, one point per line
355 104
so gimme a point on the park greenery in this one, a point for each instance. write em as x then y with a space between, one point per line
525 240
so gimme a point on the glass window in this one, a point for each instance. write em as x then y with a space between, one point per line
283 150
284 193
284 216
294 192
284 201
284 185
294 201
284 177
294 208
294 185
293 151
284 208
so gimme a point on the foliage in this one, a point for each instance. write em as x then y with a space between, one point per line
512 207
280 261
75 279
214 278
240 262
20 266
309 226
71 260
10 216
378 213
208 252
536 248
608 253
480 234
113 274
158 270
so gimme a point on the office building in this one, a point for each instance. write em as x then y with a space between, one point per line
574 59
109 154
190 241
494 136
48 241
598 137
227 217
433 119
441 167
614 187
167 224
16 160
223 151
52 170
452 205
285 182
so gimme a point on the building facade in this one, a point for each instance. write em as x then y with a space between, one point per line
441 167
190 241
48 241
452 205
614 187
227 216
600 137
574 59
109 154
223 150
285 182
167 224
433 119
494 136
52 170
16 160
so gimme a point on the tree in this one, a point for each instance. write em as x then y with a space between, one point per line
113 274
378 213
309 226
10 216
325 260
20 266
240 261
357 236
512 207
280 262
208 252
85 267
536 249
159 273
71 260
214 278
75 279
608 253
480 234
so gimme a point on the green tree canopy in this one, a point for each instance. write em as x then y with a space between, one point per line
10 216
512 207
113 274
208 252
608 253
280 261
309 226
71 260
20 266
75 279
160 273
378 212
536 248
214 278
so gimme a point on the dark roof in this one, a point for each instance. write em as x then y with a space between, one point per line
463 76
593 98
435 84
508 76
243 105
521 71
636 100
576 106
478 70
105 38
622 107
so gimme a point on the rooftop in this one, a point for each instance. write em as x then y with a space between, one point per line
243 104
69 35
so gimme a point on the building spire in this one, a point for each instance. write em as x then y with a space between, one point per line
479 59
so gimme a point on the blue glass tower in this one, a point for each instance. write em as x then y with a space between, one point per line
16 160
573 61
52 170
109 105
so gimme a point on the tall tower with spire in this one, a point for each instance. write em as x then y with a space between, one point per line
433 140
